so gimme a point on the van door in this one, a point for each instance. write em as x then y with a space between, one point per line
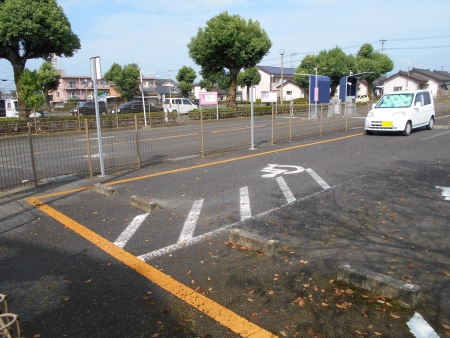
418 118
187 106
428 109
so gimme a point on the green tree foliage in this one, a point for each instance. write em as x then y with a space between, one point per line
248 78
30 89
369 60
126 79
186 74
49 78
31 29
229 42
185 77
333 63
220 80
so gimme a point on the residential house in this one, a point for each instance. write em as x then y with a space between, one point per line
271 80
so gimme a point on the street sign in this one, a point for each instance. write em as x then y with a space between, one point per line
208 98
269 96
316 94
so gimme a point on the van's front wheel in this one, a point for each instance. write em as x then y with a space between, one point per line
407 130
430 124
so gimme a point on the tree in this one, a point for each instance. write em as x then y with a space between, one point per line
229 42
333 63
125 78
248 78
186 77
370 61
49 78
30 89
31 29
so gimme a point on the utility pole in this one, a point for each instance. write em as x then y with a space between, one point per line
382 46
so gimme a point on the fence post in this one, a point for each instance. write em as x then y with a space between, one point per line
33 164
346 116
201 129
86 127
79 122
290 123
117 118
272 124
137 141
321 116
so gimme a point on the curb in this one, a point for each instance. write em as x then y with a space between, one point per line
105 190
144 204
440 126
269 246
408 294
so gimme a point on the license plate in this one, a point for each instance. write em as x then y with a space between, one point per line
386 124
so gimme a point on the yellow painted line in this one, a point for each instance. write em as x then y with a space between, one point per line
166 137
440 117
204 165
221 131
202 303
277 124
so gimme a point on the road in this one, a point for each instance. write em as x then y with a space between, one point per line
110 269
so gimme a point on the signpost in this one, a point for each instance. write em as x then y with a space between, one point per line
209 98
96 73
252 100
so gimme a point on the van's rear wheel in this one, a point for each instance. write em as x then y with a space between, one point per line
430 124
407 130
174 111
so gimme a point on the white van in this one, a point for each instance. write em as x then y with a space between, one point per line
401 111
177 105
11 108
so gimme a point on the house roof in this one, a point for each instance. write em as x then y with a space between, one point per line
380 80
277 70
439 76
160 82
164 89
412 76
288 82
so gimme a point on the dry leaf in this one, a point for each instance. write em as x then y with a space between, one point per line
305 285
253 315
189 272
66 299
410 266
192 282
271 292
389 304
378 333
165 312
250 300
392 267
349 292
88 281
151 303
394 316
37 335
364 296
365 314
442 272
446 326
283 333
447 333
266 311
301 303
155 335
325 304
159 322
251 292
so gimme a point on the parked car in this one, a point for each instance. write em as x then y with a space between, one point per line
88 108
401 111
177 105
137 107
38 113
362 98
196 102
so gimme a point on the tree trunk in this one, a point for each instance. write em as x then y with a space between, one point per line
370 89
231 93
333 89
19 66
47 100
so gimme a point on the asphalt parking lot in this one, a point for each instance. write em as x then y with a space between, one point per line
76 263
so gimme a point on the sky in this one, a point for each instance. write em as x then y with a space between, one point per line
155 34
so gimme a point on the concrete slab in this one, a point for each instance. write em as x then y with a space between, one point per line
105 190
144 204
407 294
270 247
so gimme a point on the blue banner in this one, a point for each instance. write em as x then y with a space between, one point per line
324 84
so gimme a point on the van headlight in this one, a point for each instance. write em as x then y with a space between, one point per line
399 114
371 114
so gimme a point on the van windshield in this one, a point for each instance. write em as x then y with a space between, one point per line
395 101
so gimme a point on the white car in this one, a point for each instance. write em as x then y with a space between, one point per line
178 105
38 113
362 98
401 111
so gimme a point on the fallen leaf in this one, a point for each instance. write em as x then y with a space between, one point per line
378 333
189 272
66 299
442 272
305 285
88 281
365 314
315 288
446 326
389 304
349 292
364 296
297 300
151 303
447 333
155 335
394 316
37 335
271 292
410 266
392 267
253 315
159 322
266 311
192 282
250 300
251 292
325 304
283 333
396 260
310 331
301 303
165 312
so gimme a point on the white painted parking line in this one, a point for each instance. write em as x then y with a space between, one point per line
427 138
191 221
93 138
319 180
130 230
246 212
420 328
285 189
193 240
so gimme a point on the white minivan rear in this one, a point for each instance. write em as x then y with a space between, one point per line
401 111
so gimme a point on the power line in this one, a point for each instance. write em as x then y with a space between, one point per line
410 39
430 47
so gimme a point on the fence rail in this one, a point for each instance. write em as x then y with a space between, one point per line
38 150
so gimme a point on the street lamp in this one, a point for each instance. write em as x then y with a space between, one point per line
282 53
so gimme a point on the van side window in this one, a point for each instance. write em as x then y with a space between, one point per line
419 98
186 102
166 101
178 101
426 98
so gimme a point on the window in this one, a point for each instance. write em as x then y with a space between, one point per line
289 92
419 98
72 84
397 89
395 101
186 102
57 94
426 98
177 101
166 101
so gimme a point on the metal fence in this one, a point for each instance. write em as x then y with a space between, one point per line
39 150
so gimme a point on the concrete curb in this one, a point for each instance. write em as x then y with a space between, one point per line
269 246
408 294
105 190
144 204
440 126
